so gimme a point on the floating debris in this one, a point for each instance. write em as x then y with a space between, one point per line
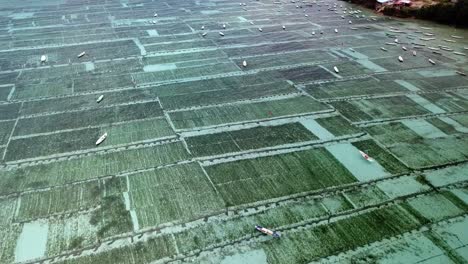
101 139
391 43
284 27
154 21
350 22
428 34
336 30
382 48
414 53
155 15
432 48
260 29
100 98
244 63
432 62
457 37
446 48
449 40
204 34
306 15
461 73
396 40
267 231
202 27
221 34
336 69
354 28
224 26
459 53
427 39
81 54
436 52
251 23
426 28
400 58
43 58
418 44
404 48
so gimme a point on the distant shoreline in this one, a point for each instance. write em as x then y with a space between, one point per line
443 12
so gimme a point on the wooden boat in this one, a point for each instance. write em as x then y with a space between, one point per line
101 139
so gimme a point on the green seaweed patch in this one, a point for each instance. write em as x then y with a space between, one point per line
305 245
112 217
337 125
141 252
76 242
455 200
252 180
444 127
246 139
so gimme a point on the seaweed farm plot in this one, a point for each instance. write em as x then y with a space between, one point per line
157 131
379 108
248 181
243 112
354 88
419 144
254 138
173 194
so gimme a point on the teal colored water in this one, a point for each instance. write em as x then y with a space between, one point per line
138 131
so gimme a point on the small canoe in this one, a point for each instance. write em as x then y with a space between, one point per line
81 54
101 139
